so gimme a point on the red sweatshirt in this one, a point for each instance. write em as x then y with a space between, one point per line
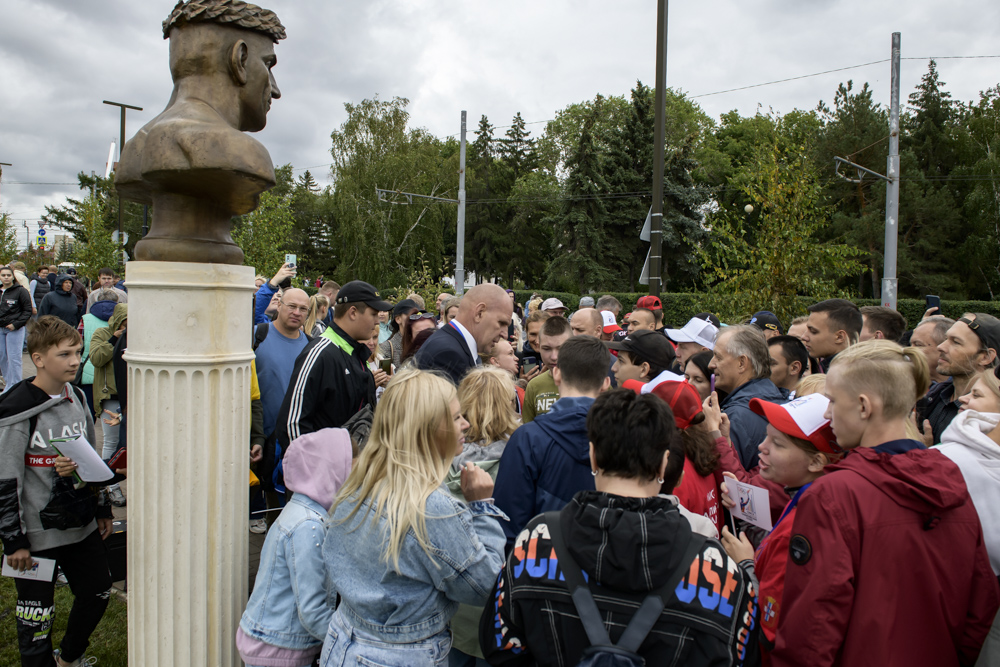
886 566
700 495
729 461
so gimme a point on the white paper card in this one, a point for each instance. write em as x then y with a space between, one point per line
752 503
42 570
89 465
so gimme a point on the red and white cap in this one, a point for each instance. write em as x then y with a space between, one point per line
610 323
802 418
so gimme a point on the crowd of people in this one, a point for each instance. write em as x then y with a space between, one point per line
490 482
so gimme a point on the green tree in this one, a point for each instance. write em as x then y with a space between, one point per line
980 160
71 216
580 237
97 250
381 241
856 128
784 258
263 234
8 237
34 257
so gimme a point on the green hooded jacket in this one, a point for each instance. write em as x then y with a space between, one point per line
102 350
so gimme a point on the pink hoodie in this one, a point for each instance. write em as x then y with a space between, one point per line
317 464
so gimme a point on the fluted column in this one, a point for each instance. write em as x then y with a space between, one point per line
189 358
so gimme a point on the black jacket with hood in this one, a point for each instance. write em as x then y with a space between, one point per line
62 304
15 306
629 547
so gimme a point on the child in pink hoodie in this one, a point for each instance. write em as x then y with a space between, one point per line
289 610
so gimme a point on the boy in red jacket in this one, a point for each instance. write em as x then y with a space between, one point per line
887 564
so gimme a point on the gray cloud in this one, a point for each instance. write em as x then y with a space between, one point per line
59 59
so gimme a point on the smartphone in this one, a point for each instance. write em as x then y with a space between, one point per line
529 368
933 302
119 460
290 261
711 383
527 361
386 365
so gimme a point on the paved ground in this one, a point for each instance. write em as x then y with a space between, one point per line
256 541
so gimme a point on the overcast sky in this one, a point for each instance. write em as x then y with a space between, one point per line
60 58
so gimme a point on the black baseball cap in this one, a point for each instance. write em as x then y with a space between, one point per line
987 328
765 319
360 291
708 317
648 345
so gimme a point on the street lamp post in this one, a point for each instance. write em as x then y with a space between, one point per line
2 165
121 144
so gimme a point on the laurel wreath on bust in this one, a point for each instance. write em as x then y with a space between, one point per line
237 13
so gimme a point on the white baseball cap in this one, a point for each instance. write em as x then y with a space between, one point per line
698 331
552 304
610 323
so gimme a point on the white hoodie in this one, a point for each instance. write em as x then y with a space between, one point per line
966 442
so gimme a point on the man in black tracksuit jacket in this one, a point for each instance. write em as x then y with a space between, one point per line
331 381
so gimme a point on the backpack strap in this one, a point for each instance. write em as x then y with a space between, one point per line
644 619
260 333
590 616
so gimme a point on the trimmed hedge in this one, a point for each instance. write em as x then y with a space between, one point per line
678 308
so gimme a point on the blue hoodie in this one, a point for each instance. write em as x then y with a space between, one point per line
546 462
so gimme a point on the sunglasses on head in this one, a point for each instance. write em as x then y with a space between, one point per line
421 316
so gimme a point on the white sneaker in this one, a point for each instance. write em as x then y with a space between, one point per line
258 526
85 661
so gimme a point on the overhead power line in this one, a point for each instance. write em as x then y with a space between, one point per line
839 69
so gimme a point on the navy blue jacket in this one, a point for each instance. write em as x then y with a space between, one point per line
446 351
748 429
546 462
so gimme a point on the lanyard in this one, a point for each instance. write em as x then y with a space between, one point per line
788 508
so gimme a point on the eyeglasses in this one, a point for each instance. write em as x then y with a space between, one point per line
421 316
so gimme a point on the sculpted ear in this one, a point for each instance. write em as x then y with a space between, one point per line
238 57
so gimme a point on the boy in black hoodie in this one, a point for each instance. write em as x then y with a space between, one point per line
43 514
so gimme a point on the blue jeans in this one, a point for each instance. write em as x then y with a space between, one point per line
347 645
11 343
110 432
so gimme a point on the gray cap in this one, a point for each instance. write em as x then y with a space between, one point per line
586 302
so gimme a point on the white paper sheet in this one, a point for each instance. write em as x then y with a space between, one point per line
89 465
42 570
752 503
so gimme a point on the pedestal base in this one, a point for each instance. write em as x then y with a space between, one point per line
189 335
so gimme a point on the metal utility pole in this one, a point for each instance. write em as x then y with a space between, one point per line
460 241
656 214
889 280
121 145
2 165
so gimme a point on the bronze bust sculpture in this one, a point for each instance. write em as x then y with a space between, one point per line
193 162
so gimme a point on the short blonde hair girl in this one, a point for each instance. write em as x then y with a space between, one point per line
897 375
487 394
412 443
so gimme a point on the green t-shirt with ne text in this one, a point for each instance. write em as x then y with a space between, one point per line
539 396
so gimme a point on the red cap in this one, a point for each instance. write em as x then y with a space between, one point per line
682 398
649 301
801 418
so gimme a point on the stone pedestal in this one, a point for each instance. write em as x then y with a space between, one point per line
189 353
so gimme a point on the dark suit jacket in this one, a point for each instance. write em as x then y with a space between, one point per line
446 351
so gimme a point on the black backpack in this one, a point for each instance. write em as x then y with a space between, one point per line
601 652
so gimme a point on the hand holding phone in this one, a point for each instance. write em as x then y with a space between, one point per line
933 305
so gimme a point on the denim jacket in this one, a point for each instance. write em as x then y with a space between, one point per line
291 602
418 601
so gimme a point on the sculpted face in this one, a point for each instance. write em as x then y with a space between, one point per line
260 87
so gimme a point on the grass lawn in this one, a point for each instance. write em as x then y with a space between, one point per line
109 643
